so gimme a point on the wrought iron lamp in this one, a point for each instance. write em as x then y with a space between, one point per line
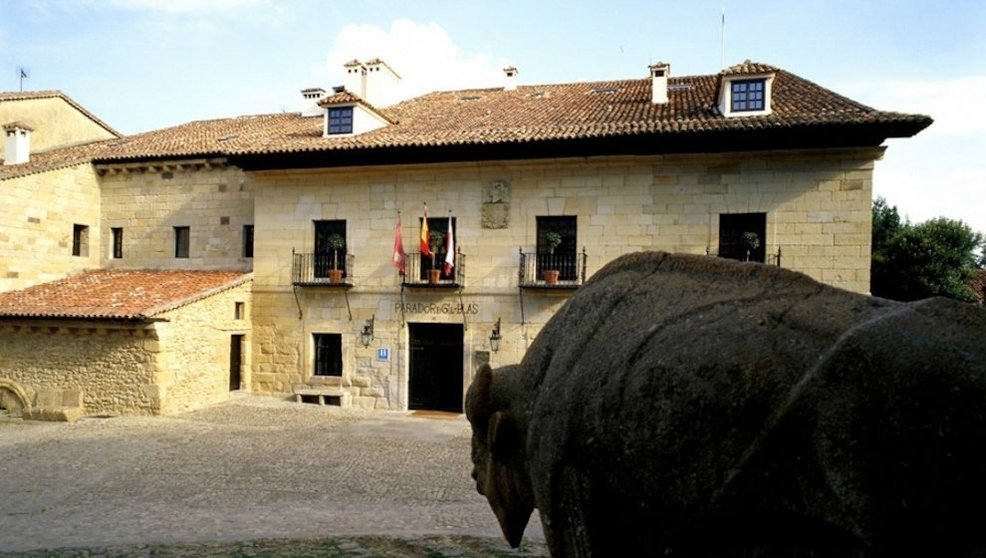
367 334
495 337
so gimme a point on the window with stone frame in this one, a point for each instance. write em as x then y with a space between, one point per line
743 236
327 258
328 354
80 240
563 257
182 240
117 233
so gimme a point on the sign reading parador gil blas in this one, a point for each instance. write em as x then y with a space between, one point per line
435 308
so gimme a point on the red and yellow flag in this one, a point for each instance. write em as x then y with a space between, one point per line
425 239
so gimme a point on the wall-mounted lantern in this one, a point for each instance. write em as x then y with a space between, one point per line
367 334
495 337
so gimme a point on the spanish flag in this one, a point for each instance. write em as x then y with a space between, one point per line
425 239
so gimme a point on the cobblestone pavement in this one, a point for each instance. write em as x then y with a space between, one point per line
257 476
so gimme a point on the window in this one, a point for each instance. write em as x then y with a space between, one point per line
117 242
438 233
181 242
239 310
327 255
341 120
747 95
562 257
742 236
328 354
247 241
80 240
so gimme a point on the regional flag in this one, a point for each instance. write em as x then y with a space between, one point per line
398 246
449 248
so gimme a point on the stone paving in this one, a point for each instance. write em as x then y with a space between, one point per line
235 475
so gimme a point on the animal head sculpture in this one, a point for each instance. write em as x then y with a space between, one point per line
499 462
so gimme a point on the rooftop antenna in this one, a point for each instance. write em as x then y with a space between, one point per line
23 74
722 41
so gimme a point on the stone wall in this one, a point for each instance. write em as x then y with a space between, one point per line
817 206
193 368
148 202
160 367
55 122
37 217
111 363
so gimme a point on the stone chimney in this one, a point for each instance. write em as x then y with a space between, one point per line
659 73
355 81
17 148
510 78
311 97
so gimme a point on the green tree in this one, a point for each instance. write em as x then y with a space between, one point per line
934 258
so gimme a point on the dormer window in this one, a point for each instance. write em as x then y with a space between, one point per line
747 95
340 120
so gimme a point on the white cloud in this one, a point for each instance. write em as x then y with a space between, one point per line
423 54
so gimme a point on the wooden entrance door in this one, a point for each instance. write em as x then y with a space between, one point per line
435 367
235 361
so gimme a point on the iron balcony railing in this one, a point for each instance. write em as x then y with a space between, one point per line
317 269
422 271
570 269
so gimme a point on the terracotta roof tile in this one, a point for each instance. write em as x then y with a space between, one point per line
528 114
117 294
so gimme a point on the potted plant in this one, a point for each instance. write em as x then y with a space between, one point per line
336 242
750 241
553 240
435 240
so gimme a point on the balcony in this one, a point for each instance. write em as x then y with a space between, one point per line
570 270
316 270
419 271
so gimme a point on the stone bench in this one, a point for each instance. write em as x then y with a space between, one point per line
321 387
64 405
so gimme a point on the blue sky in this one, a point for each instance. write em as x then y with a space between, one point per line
147 64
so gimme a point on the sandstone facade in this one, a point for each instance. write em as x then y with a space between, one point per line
177 362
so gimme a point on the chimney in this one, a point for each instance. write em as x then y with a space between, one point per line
510 81
659 83
382 84
17 148
355 81
311 97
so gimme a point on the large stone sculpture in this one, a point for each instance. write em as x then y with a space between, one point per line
690 406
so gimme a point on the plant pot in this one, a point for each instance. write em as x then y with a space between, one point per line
551 276
434 275
335 275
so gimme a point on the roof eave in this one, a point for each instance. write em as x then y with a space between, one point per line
643 143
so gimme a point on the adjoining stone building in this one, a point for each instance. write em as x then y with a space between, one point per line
751 163
142 342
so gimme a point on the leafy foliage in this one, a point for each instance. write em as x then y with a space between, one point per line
934 258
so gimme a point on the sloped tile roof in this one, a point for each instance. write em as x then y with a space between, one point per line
26 95
527 115
110 294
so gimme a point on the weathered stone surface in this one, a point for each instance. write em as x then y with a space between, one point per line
690 406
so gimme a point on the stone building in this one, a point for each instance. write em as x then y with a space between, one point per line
751 163
139 342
